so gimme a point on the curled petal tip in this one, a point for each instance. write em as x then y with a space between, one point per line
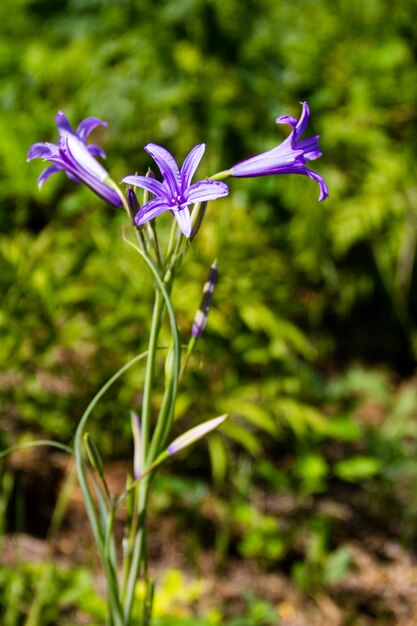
287 119
289 157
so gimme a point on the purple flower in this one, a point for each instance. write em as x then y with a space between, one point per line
175 193
73 156
289 157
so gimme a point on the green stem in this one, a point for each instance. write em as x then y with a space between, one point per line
153 236
172 234
115 608
163 424
163 298
190 349
149 374
221 175
138 551
137 534
113 593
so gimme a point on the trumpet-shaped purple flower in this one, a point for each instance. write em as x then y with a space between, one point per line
175 193
290 157
73 156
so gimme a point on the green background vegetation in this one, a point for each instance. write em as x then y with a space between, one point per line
306 291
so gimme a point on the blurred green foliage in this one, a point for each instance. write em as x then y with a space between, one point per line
65 594
67 597
184 72
180 73
303 287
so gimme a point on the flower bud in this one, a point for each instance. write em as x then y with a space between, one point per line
132 203
200 318
137 461
194 434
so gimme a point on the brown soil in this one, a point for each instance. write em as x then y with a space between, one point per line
380 588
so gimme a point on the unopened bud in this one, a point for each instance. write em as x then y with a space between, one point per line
137 460
132 202
194 434
200 318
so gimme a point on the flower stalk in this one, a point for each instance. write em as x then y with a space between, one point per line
152 425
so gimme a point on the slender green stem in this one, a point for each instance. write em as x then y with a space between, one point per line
149 374
164 289
174 230
153 236
98 396
189 352
115 608
139 544
178 251
148 604
109 531
138 551
109 541
137 532
163 424
113 593
142 240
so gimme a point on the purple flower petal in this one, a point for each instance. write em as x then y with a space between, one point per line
86 126
324 190
167 166
96 151
150 210
145 182
310 147
289 157
305 171
191 163
105 192
75 158
64 127
73 177
287 119
206 190
303 121
183 218
270 162
174 193
81 155
47 173
40 151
